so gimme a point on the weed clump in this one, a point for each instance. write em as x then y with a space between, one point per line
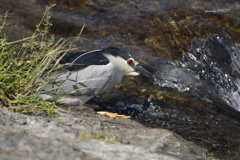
23 62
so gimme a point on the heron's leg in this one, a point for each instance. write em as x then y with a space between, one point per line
84 98
66 100
74 101
47 97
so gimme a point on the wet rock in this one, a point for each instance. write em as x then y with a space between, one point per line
31 137
166 27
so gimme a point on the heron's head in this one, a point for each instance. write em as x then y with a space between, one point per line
126 63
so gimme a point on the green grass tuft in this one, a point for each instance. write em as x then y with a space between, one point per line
99 136
23 62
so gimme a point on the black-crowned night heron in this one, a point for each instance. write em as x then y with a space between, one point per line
91 73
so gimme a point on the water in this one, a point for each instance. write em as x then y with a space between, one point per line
209 69
217 65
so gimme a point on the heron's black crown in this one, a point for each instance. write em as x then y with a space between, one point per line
117 52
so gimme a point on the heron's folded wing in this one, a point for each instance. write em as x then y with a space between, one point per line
90 81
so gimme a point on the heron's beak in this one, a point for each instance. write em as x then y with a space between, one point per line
142 71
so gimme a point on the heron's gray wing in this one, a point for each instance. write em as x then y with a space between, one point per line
90 81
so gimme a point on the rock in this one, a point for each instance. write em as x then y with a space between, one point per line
32 137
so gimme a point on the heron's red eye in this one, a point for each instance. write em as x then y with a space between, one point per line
130 61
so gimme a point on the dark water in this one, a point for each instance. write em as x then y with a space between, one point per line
192 47
210 68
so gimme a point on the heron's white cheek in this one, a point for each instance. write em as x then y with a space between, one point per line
133 74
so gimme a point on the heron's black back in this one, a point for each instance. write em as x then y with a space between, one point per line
81 60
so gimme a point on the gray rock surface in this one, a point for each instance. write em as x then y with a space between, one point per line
32 137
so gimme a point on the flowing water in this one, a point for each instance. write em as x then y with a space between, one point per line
210 69
192 48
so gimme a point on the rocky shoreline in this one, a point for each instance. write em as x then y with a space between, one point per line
40 137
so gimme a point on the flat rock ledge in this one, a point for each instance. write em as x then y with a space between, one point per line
24 137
